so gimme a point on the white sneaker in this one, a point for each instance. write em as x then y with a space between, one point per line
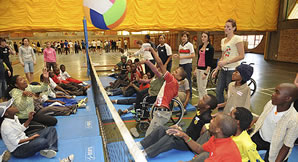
48 153
68 159
84 83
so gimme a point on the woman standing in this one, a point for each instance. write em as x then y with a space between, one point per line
27 59
5 51
205 58
165 52
49 55
186 53
232 53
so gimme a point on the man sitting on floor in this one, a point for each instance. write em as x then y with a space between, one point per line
276 128
158 141
222 127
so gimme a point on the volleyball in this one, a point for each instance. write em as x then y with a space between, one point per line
105 14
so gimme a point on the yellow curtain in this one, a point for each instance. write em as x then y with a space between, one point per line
67 15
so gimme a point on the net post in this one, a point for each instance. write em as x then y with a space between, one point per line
86 45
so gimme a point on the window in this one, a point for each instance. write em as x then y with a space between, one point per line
294 13
252 40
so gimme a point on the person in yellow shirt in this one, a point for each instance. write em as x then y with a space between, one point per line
246 146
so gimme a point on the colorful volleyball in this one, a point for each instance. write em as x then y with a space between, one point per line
105 14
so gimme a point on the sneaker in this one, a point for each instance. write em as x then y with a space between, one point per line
85 83
5 156
134 132
109 93
120 112
48 153
70 158
81 105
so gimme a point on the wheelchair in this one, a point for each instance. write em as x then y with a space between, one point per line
213 81
142 115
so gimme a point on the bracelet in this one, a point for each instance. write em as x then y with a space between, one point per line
188 140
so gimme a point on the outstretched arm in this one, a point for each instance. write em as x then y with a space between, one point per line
158 61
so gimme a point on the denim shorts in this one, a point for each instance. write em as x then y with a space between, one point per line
28 67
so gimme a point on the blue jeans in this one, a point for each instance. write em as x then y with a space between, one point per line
224 79
188 69
46 140
3 87
116 92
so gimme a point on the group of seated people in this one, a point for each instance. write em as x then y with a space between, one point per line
219 131
28 117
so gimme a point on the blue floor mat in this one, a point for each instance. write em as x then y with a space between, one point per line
85 149
77 126
105 80
117 150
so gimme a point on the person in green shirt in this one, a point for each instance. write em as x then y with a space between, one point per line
23 100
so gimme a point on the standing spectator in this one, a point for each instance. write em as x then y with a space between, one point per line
70 44
16 48
93 46
49 55
5 51
205 58
146 54
165 52
76 47
83 46
125 44
66 47
27 59
98 45
232 53
38 48
62 46
186 53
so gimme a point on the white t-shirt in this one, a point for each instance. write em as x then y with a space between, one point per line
64 75
230 50
183 85
146 54
70 44
93 44
186 50
270 123
125 42
98 43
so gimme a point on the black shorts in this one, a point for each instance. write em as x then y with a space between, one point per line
98 47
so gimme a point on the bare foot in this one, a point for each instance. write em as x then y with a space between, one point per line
113 101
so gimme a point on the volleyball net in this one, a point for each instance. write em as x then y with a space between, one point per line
118 143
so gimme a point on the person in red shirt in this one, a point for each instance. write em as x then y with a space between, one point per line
221 147
162 112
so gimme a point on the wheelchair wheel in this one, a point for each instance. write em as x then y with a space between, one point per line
252 85
142 126
211 80
177 107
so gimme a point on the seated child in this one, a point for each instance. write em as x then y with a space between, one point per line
65 76
15 139
238 91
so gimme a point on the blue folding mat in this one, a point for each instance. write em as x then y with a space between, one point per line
116 149
78 134
105 82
